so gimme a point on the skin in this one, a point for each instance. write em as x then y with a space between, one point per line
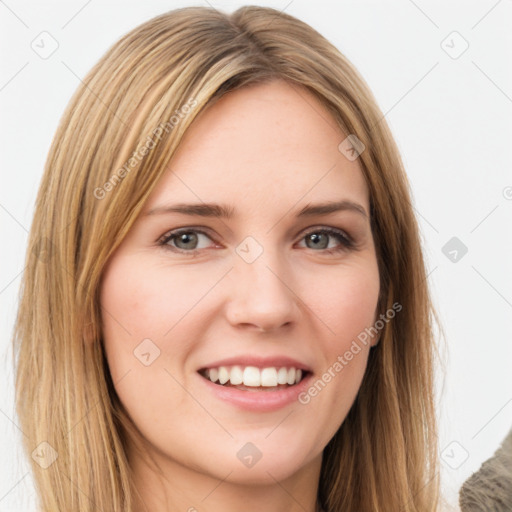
267 151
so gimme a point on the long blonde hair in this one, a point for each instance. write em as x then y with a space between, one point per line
97 179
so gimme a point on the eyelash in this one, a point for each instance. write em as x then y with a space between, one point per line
346 242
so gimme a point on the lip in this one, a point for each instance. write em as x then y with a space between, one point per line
259 362
258 401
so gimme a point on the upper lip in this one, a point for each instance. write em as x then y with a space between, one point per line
259 362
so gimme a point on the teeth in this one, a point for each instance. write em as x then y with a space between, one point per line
237 376
269 377
282 376
252 376
223 375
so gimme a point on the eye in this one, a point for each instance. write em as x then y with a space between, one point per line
319 239
188 240
185 240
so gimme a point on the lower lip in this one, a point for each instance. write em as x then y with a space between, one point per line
259 401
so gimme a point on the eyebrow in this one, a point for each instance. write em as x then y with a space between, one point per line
227 212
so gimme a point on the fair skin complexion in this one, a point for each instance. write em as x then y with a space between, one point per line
266 152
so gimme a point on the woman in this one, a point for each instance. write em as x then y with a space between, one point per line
225 305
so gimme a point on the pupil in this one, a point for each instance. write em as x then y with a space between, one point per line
315 238
186 237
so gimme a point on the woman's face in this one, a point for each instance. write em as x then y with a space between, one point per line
278 285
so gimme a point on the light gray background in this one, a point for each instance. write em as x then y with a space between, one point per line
451 118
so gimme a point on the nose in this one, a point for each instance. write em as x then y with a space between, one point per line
262 294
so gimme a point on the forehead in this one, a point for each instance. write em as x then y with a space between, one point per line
262 147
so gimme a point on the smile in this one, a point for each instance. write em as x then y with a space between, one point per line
252 378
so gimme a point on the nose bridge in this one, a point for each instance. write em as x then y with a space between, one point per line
262 294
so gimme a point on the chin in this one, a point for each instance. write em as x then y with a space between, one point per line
262 463
262 473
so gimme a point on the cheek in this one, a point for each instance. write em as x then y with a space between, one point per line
347 306
136 308
151 322
145 309
347 303
145 300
